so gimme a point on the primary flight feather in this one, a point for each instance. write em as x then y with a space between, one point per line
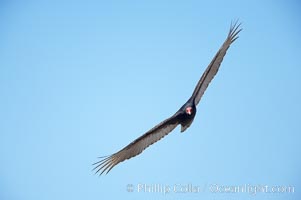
184 116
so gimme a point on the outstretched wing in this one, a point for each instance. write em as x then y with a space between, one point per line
213 67
138 145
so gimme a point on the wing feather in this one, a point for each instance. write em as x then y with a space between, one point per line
213 67
138 145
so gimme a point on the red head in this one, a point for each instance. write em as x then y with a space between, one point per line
188 110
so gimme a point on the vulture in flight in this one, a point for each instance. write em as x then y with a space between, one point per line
184 116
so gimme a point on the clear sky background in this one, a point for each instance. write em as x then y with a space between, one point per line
82 79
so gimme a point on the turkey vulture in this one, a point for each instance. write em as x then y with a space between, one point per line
184 116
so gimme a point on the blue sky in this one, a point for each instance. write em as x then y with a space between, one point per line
82 79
